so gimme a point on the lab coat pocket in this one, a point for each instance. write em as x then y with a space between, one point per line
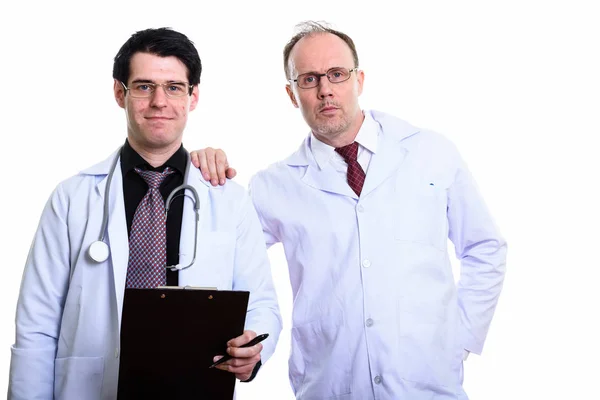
78 378
421 213
427 348
318 366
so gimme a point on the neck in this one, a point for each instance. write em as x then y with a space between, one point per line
155 156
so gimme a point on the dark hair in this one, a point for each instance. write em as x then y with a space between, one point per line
163 42
309 28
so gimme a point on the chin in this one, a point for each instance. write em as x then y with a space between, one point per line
329 130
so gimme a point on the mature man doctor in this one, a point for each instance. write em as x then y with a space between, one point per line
69 311
377 314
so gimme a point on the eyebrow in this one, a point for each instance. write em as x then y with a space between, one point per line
319 73
151 81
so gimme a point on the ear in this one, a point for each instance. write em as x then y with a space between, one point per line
360 76
119 91
194 97
290 92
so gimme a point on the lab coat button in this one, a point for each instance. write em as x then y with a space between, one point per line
360 208
366 263
369 322
377 380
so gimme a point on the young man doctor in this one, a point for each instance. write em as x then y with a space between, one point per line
69 311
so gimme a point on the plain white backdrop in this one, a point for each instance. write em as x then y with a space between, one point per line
515 84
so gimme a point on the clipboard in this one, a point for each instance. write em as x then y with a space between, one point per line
169 337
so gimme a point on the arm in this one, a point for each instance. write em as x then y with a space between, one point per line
40 306
482 254
257 187
213 165
252 272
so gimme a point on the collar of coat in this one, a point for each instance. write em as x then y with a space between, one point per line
393 129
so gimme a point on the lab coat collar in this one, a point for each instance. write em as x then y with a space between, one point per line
391 153
103 168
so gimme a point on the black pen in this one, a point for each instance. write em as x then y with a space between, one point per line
251 343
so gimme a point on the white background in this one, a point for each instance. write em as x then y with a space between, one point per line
515 84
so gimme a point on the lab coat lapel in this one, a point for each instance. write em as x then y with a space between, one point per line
188 225
390 151
116 235
326 179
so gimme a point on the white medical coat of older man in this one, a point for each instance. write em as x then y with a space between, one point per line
69 309
377 313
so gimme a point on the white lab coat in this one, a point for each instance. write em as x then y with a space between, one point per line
69 308
377 313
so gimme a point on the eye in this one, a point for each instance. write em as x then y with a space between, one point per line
308 79
143 87
176 88
337 74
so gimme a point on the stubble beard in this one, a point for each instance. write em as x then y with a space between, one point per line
331 129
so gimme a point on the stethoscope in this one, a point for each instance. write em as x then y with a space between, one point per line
99 250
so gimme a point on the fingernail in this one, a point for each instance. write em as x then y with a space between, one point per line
222 181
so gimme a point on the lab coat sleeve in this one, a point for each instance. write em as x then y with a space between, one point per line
40 305
253 273
255 190
482 254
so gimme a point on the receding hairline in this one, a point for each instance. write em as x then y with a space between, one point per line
311 29
311 35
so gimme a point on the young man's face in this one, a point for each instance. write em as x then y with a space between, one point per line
158 121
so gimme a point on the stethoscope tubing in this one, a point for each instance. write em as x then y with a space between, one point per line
99 250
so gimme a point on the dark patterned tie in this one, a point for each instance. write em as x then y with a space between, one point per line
356 175
148 238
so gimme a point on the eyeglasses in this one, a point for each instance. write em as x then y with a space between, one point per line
146 89
312 79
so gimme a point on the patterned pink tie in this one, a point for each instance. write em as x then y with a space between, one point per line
148 238
355 174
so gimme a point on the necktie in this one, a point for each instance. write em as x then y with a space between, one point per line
355 175
148 238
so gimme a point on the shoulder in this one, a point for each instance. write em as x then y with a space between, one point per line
413 137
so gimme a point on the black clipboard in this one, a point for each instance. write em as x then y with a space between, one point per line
169 338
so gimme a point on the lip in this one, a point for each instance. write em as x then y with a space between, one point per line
328 109
158 118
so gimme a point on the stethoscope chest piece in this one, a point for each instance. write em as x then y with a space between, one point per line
98 251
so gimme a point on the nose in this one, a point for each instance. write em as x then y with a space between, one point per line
158 98
324 88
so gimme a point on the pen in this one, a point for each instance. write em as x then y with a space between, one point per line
251 343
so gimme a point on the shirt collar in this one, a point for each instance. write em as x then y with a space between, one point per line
131 159
366 138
